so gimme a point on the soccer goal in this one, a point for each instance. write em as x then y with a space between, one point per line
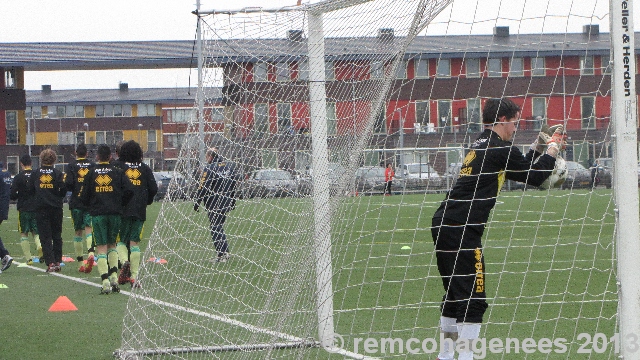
313 101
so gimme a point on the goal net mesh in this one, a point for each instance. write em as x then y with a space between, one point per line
405 82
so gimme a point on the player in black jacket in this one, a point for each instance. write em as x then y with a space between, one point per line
217 193
74 179
135 213
459 222
47 183
26 209
105 191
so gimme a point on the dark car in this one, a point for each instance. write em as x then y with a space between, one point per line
269 183
162 180
336 175
370 180
602 171
577 176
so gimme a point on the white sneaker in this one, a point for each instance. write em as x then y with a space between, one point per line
223 258
6 262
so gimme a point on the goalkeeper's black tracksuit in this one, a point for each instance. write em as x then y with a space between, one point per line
217 193
459 222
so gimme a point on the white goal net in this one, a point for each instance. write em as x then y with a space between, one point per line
317 100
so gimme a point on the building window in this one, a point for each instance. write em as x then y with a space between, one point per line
152 142
175 140
12 127
421 68
12 165
146 109
588 107
537 66
282 72
181 116
56 111
66 138
474 115
494 67
606 67
377 70
539 112
33 112
444 68
117 110
217 114
332 121
380 126
473 67
303 70
261 119
108 137
401 70
444 115
284 118
10 78
260 72
586 65
329 71
422 113
81 137
72 111
516 67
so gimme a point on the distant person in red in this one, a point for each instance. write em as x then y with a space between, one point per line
388 178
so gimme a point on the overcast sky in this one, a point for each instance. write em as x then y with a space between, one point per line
126 20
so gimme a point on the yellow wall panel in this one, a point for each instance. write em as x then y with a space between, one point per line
46 138
134 110
90 111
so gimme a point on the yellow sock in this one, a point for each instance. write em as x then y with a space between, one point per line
135 261
123 252
79 250
103 267
112 256
36 239
89 239
26 247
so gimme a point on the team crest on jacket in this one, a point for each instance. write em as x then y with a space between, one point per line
83 172
45 181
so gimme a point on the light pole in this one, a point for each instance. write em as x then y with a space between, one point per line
86 133
29 136
139 128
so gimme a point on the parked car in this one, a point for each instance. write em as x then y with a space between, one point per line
163 181
577 176
419 176
269 183
370 180
336 175
603 168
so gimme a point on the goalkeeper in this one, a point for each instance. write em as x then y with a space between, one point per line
459 222
217 193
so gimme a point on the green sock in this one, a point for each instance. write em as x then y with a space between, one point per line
103 267
112 256
26 248
135 261
123 252
36 239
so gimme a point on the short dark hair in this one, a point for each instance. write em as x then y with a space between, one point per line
25 159
104 152
81 150
497 108
130 151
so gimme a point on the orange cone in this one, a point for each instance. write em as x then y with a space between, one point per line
63 304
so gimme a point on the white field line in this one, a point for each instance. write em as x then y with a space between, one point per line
227 320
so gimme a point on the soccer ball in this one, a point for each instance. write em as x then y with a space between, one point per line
558 175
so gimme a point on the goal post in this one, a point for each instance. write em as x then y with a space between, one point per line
317 99
624 114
